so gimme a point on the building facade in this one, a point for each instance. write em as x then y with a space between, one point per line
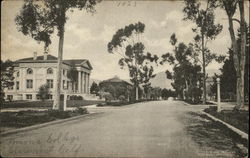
31 73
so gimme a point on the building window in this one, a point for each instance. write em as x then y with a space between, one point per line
29 83
50 96
17 85
10 97
29 71
38 97
49 71
28 96
17 74
50 83
64 84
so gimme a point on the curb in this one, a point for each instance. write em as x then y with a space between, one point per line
29 128
239 132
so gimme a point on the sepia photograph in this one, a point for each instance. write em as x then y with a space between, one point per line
129 78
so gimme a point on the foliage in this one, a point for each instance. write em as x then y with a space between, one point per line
126 43
228 76
205 30
94 89
7 70
75 97
152 93
108 97
43 92
166 93
39 19
238 46
122 98
186 74
116 89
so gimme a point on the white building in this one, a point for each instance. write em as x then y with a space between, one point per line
31 73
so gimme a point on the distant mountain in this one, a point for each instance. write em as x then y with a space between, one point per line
160 80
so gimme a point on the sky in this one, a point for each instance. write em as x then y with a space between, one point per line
87 35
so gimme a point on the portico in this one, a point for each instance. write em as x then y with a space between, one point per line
83 82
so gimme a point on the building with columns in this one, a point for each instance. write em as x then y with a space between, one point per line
31 73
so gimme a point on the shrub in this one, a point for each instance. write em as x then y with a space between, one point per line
122 98
75 97
82 110
79 98
59 114
108 97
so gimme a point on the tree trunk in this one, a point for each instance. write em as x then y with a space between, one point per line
242 59
57 104
204 71
136 93
238 57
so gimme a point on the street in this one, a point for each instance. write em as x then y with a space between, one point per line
147 129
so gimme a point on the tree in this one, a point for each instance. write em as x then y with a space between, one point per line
39 19
239 51
228 75
43 92
126 42
205 30
94 89
186 73
7 70
166 93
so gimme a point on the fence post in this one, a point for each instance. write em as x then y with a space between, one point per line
218 95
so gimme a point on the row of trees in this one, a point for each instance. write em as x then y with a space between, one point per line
118 91
40 19
188 60
228 75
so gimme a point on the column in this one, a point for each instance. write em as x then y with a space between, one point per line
83 83
88 83
79 82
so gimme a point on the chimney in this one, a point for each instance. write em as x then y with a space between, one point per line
45 57
35 56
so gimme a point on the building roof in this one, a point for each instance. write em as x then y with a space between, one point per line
51 58
115 79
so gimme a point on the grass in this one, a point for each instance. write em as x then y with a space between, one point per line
47 104
20 119
197 103
213 135
238 119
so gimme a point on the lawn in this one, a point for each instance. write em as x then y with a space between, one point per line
214 137
238 119
47 104
12 120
